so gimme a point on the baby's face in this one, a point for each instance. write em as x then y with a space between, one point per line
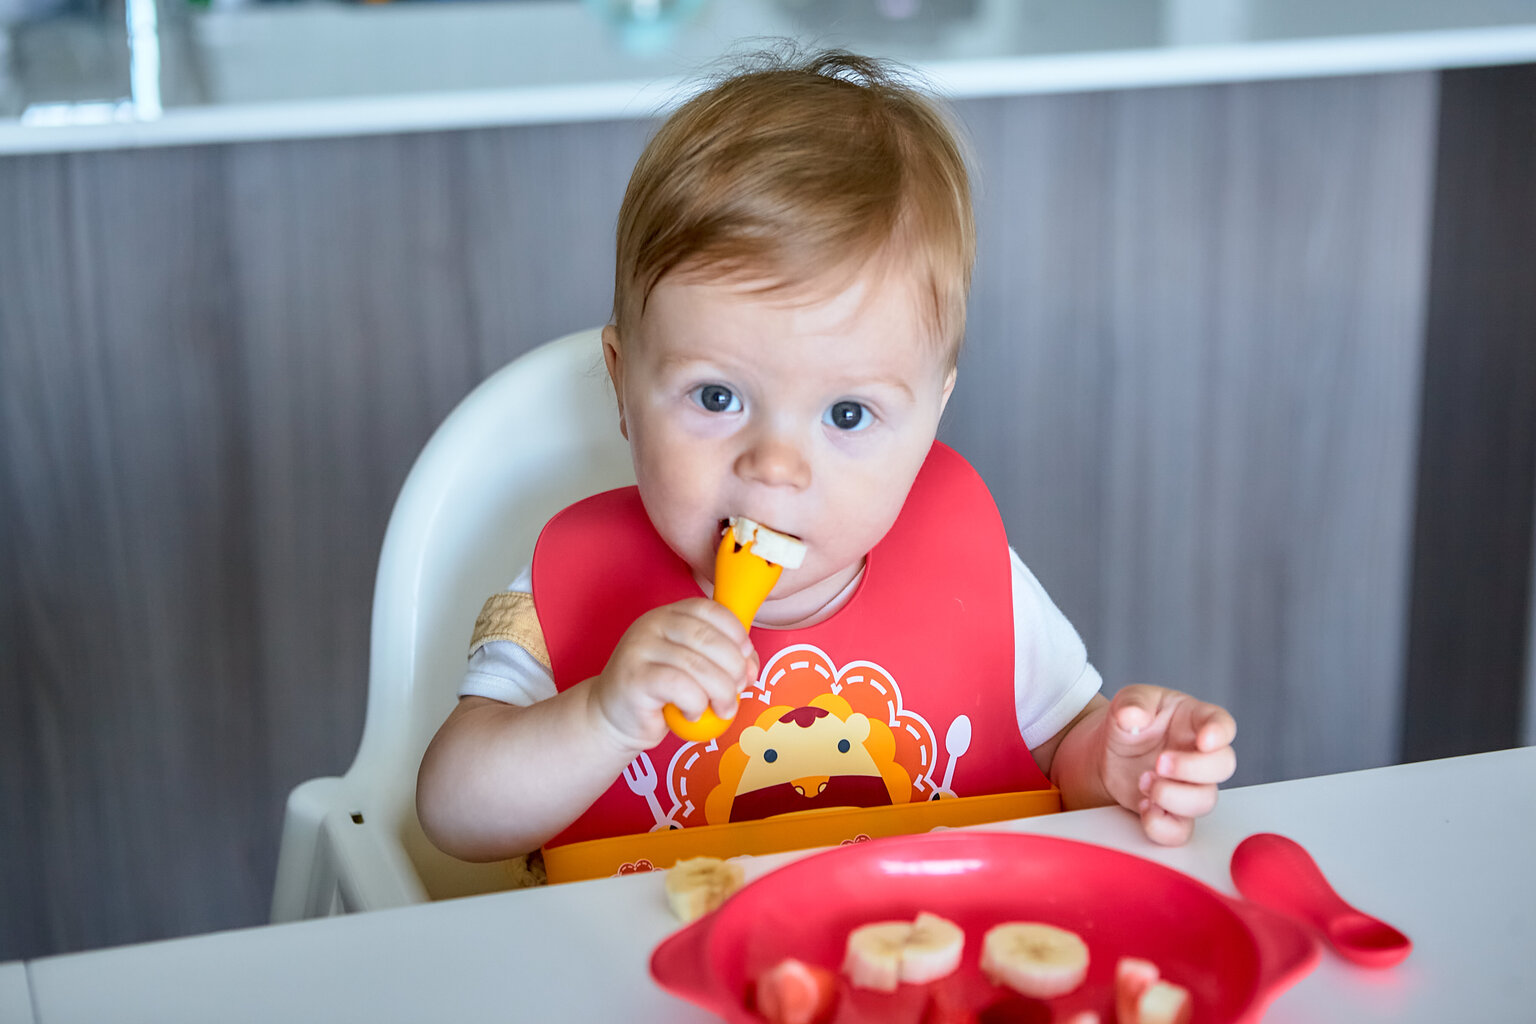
811 417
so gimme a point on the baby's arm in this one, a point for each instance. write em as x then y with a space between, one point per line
499 780
1158 752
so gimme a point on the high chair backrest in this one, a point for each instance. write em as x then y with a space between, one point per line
537 435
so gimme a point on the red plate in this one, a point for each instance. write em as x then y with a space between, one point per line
1234 957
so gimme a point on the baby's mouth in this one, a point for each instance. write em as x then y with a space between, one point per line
725 524
774 546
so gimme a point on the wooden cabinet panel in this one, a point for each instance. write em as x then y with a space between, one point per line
1470 627
216 367
1193 381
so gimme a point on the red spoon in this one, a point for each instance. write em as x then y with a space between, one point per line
1276 872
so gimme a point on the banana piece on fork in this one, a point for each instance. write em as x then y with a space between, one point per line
748 563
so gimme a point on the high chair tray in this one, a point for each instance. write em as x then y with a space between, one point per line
655 851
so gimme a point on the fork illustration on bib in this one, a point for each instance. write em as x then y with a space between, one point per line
640 774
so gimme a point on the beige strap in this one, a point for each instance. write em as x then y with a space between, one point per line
510 616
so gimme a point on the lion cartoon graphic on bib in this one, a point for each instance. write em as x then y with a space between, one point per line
808 735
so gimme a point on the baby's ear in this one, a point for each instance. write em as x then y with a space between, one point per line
613 357
949 387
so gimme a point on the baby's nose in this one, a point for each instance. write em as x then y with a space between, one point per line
774 461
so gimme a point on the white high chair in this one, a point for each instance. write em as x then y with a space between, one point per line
532 438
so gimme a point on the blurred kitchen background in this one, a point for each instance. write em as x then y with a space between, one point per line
1251 366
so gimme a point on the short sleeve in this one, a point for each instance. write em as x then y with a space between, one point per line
508 661
1053 679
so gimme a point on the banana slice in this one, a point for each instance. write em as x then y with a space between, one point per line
873 957
1163 1003
884 954
1037 960
769 545
932 950
700 884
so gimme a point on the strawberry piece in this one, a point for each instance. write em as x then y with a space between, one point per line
937 1013
795 992
1133 976
946 1008
1013 1008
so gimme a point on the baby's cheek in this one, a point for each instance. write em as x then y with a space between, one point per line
868 518
681 514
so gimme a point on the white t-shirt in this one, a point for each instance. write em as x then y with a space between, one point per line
1052 677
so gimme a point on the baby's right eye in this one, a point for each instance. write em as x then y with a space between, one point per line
716 398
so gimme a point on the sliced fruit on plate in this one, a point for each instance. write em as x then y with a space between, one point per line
1034 959
1012 1008
1163 1003
932 950
697 885
933 1013
873 956
795 992
944 1008
1143 997
1009 1009
1133 976
883 954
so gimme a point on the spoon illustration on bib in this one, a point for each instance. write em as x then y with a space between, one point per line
1278 873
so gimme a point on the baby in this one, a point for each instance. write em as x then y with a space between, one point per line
794 256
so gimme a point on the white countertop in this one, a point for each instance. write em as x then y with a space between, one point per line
1441 849
327 68
15 994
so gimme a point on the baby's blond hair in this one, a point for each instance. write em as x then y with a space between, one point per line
798 172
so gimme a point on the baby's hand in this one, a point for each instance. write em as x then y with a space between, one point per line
694 654
1164 753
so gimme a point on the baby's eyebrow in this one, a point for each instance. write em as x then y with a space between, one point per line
688 362
853 383
684 360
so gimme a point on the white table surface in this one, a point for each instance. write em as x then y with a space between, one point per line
15 994
1443 849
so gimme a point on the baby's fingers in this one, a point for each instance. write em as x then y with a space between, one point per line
1134 709
1214 727
684 654
1187 800
709 630
708 644
692 682
1195 766
1163 828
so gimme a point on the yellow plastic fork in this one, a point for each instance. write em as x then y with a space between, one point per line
742 583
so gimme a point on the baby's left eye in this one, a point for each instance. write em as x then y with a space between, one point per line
847 416
716 398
